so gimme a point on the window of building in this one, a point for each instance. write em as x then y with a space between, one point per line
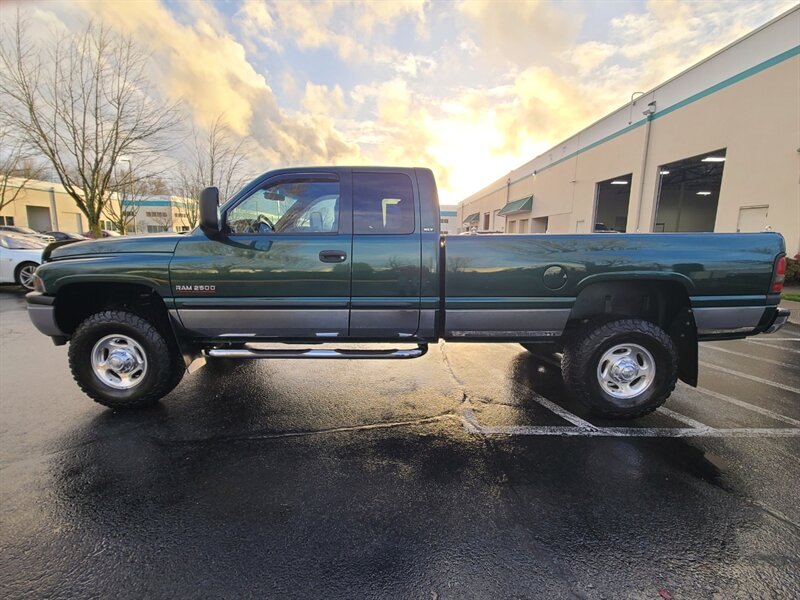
383 203
611 207
108 225
157 228
444 221
512 227
6 220
308 205
688 193
486 221
182 228
523 226
155 213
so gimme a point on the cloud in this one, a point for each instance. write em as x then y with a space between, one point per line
501 83
524 31
204 65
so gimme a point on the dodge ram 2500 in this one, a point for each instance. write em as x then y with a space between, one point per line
354 255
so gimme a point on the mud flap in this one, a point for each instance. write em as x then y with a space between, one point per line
684 333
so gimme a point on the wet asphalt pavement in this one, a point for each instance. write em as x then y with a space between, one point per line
468 473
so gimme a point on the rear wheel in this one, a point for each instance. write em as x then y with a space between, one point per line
121 360
625 369
24 274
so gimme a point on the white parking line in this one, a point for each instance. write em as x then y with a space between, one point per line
773 346
782 386
562 412
682 418
472 426
752 407
754 357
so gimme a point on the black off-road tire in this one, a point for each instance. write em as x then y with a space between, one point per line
585 349
165 366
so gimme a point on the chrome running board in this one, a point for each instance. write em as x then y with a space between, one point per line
420 350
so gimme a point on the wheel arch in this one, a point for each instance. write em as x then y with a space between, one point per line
76 301
662 300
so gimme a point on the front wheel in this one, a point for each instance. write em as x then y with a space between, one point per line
624 369
121 360
24 275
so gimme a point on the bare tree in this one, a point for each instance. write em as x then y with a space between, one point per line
82 102
216 158
17 164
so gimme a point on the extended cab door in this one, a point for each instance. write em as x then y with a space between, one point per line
282 268
386 254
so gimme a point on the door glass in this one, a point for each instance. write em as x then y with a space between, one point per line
289 207
383 203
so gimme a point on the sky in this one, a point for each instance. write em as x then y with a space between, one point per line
471 89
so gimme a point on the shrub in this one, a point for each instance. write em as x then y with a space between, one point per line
793 270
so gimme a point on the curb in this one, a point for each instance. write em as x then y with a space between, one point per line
795 308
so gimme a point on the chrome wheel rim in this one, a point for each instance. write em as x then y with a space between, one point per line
26 276
119 361
626 370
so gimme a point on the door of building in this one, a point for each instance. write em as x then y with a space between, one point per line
39 218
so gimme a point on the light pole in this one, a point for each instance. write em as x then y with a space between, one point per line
121 206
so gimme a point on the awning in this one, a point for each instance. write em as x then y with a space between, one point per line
473 218
521 205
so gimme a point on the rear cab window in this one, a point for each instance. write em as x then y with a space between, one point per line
383 203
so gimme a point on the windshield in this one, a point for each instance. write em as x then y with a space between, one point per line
18 242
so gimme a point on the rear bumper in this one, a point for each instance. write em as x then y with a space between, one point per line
42 313
781 316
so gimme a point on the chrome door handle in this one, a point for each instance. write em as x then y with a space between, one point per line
333 256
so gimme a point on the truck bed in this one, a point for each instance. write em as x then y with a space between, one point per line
525 286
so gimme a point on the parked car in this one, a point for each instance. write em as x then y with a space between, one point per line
27 231
19 257
355 256
65 236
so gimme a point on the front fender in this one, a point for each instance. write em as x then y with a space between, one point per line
149 269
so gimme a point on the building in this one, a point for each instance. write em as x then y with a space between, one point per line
156 214
448 219
46 206
712 149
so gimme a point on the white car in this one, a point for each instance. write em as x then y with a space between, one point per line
28 232
19 257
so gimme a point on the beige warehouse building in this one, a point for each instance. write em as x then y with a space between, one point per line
46 206
716 148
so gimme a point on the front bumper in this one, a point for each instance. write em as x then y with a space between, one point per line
42 312
781 316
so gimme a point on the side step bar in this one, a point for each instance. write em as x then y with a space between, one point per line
420 350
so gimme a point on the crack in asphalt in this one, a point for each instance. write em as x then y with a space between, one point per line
306 433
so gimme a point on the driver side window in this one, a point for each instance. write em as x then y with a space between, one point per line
289 207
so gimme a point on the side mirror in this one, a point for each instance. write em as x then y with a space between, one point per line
209 210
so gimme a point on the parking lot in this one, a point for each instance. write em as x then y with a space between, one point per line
468 473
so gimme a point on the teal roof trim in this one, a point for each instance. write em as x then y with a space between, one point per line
473 218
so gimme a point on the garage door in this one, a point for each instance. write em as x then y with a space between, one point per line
39 218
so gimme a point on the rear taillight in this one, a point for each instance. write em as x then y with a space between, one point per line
779 275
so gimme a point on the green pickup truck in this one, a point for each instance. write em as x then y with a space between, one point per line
302 257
